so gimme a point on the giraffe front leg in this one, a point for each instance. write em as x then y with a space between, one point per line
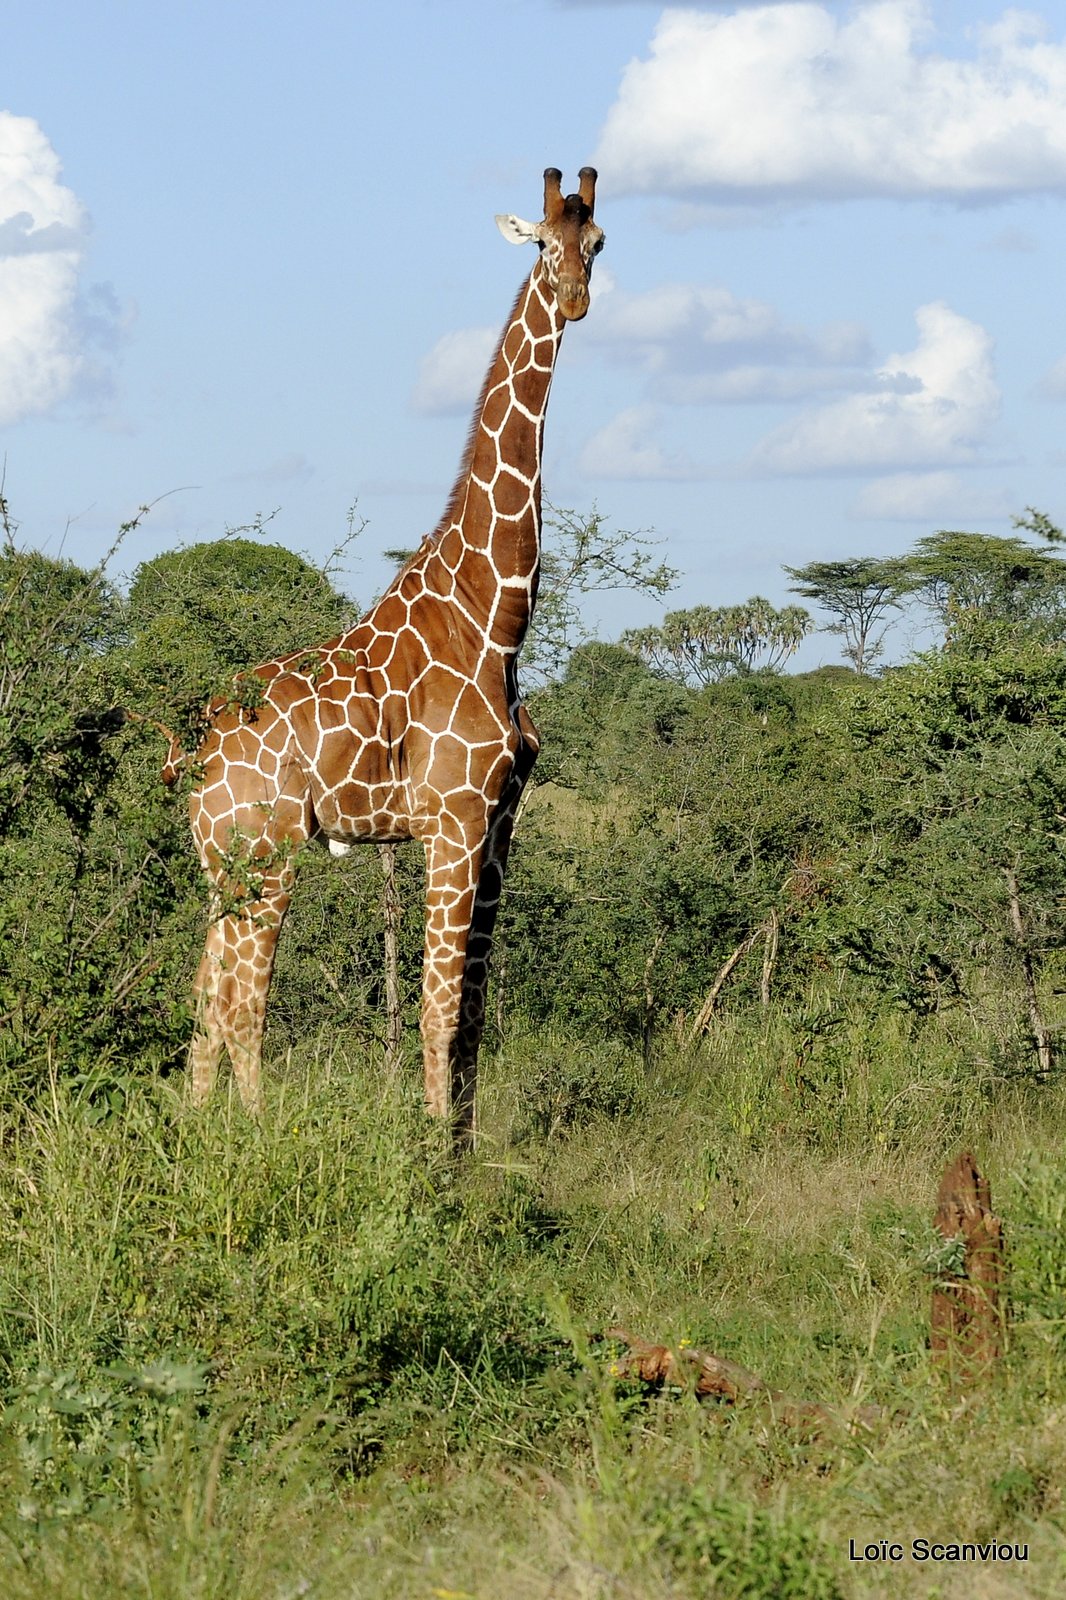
478 956
463 898
452 873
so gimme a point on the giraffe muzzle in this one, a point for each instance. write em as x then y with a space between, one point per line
573 297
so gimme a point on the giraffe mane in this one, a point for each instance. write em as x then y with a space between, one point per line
453 507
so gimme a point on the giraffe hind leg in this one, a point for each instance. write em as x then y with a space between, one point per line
247 843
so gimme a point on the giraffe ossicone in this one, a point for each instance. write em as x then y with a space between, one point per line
408 726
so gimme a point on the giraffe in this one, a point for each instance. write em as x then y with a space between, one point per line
410 725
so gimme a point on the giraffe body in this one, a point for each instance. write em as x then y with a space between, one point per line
409 725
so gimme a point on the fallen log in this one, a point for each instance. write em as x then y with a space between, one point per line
706 1374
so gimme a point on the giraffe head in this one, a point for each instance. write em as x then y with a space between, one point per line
568 239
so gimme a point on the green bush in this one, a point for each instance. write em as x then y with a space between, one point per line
743 1550
324 1266
568 1088
1037 1244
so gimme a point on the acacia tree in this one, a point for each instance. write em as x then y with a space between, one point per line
973 581
76 922
706 643
859 593
582 554
1040 525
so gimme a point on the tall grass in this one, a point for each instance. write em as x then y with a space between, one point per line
317 1358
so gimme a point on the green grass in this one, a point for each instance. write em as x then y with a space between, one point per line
319 1359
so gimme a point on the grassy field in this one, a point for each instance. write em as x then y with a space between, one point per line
319 1359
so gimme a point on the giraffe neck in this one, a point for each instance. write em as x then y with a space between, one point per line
490 534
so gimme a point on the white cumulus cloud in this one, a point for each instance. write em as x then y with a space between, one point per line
1052 385
627 449
761 384
450 377
800 100
700 344
938 497
934 406
43 228
713 5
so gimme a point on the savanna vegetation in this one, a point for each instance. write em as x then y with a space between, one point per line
774 947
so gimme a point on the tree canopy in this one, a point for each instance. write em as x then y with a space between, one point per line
858 593
970 579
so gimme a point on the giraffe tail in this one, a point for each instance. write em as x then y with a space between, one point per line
176 757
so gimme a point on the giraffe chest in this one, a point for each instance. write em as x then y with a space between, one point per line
387 764
354 748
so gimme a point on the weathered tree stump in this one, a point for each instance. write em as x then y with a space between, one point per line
968 1311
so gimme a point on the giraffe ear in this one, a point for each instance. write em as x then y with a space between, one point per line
515 231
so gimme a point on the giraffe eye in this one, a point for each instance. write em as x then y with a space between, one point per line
598 246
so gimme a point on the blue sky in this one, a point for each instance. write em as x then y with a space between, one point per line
248 262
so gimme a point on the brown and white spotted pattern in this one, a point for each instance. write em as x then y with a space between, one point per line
408 726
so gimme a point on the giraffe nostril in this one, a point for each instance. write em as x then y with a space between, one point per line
573 297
